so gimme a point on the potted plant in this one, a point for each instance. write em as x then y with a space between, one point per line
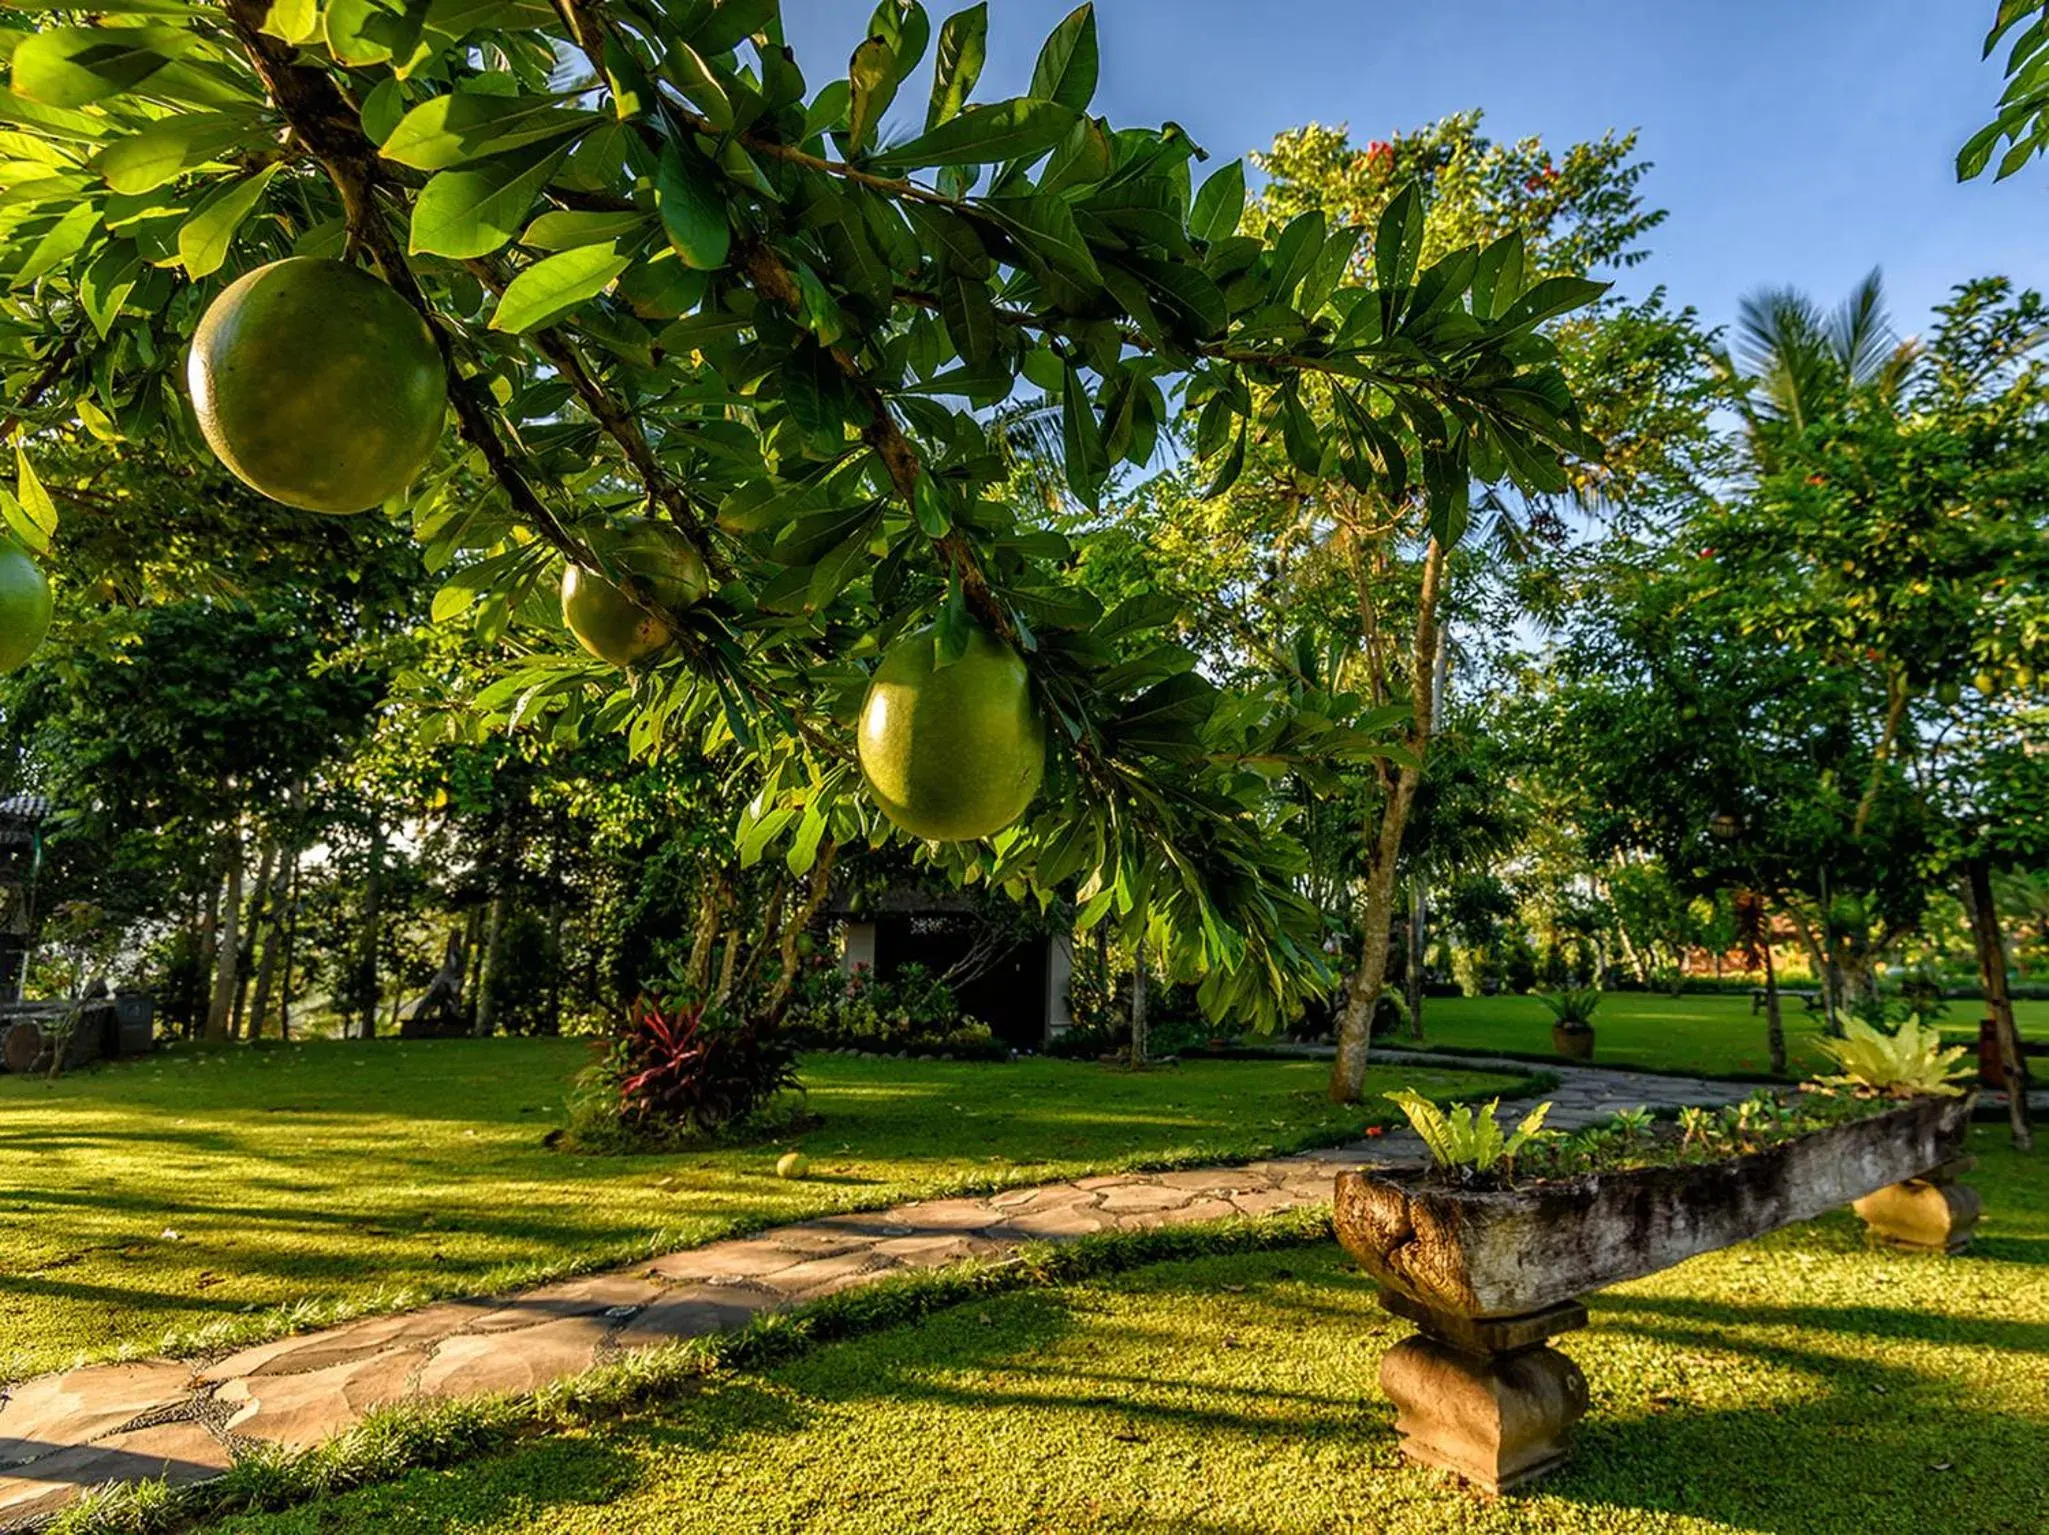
1490 1249
1572 1025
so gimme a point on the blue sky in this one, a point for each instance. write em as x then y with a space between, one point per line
1796 141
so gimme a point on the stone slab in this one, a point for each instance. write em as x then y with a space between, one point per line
307 1408
484 1364
178 1453
352 1340
52 1412
600 1295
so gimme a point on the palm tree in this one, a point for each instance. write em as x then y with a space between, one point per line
1794 360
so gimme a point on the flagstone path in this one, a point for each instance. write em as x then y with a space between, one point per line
185 1420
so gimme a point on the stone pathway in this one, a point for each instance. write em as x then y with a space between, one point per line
185 1420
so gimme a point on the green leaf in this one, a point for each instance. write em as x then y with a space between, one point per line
1398 240
453 130
970 318
700 85
1069 62
963 48
1219 205
1193 297
560 231
1046 228
929 506
107 282
691 199
296 21
1229 470
1498 278
1299 436
731 22
872 80
1447 483
167 148
952 239
1018 129
63 241
205 238
1081 441
34 500
71 66
1550 298
551 288
51 122
465 213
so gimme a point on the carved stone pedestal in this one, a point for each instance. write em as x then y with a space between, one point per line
1931 1213
1485 1398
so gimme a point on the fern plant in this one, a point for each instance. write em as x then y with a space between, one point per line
1465 1137
1906 1064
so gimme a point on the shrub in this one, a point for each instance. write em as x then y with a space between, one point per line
912 1010
1573 1008
1905 1064
676 1076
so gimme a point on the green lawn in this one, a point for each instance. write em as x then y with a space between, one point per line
199 1198
1715 1035
1803 1384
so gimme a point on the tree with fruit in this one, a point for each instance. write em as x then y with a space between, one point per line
720 349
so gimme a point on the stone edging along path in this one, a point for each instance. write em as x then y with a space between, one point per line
185 1420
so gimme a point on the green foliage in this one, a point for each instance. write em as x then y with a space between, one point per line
1464 1139
1632 1139
1573 1008
2022 123
674 277
1905 1063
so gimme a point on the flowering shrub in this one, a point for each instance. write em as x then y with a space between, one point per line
675 1075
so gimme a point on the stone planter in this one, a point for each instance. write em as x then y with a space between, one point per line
1488 1275
1573 1044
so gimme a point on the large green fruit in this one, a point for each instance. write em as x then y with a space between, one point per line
952 753
608 623
318 385
24 608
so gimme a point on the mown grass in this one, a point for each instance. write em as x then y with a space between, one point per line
1804 1384
201 1199
1703 1034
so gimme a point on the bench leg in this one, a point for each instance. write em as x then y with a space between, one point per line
1487 1401
1932 1213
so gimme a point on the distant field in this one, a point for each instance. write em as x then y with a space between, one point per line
1716 1035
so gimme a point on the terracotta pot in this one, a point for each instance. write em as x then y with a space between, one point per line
1511 1252
1573 1044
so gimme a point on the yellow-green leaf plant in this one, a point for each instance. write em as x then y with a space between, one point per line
1911 1063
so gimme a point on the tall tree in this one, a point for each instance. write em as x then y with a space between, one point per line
666 275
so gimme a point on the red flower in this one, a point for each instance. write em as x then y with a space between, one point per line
1817 479
1375 1131
1707 554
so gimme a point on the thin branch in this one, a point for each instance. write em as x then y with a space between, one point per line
53 370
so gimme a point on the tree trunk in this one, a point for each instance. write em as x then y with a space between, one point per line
227 953
1140 1042
367 987
1418 911
1362 991
1984 912
209 948
259 912
1774 1023
266 968
284 995
494 959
